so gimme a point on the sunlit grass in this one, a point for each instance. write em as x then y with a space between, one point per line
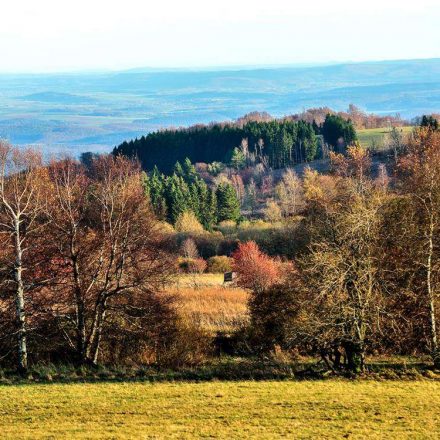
214 308
330 409
199 280
374 137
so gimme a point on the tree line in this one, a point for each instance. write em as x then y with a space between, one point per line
280 142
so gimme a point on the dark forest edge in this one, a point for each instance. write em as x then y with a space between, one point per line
282 142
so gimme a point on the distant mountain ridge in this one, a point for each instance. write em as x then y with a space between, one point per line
77 112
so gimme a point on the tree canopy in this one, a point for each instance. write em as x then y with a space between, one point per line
283 142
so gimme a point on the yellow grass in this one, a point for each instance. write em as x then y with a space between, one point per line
226 410
199 280
214 308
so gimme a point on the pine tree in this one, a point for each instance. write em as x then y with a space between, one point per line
189 171
154 189
211 210
177 197
306 141
238 159
228 206
178 170
197 197
338 132
429 122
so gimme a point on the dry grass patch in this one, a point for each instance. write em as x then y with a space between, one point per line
199 280
214 308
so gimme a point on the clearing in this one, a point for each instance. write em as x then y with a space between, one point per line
374 137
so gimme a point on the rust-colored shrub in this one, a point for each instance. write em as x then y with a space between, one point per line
192 265
255 270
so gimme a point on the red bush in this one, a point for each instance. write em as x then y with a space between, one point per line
255 270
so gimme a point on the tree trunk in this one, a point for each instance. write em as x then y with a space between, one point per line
81 330
19 301
431 296
96 332
355 355
80 310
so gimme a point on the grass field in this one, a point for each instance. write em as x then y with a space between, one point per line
329 409
374 137
204 300
214 308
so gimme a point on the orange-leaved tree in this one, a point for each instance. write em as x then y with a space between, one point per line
255 270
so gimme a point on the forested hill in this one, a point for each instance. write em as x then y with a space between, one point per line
281 142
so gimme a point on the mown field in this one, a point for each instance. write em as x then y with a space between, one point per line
374 137
330 409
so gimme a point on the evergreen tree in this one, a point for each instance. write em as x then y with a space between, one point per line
189 171
178 170
316 127
210 212
429 122
238 159
336 130
154 189
177 197
228 206
199 198
307 142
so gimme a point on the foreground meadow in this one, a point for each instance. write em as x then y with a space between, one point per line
337 409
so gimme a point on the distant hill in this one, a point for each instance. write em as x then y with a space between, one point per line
58 98
96 111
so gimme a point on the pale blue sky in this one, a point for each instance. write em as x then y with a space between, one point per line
60 35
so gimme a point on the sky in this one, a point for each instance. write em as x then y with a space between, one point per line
61 35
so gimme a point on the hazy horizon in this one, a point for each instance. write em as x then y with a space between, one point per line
214 68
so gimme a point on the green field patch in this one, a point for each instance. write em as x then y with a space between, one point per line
375 138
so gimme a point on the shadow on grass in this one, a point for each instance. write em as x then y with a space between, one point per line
223 369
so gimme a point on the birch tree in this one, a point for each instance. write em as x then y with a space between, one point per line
22 202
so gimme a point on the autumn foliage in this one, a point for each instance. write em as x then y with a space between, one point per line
255 270
86 267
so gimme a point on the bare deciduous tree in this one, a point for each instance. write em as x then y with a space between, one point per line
344 263
290 193
22 201
420 169
110 240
